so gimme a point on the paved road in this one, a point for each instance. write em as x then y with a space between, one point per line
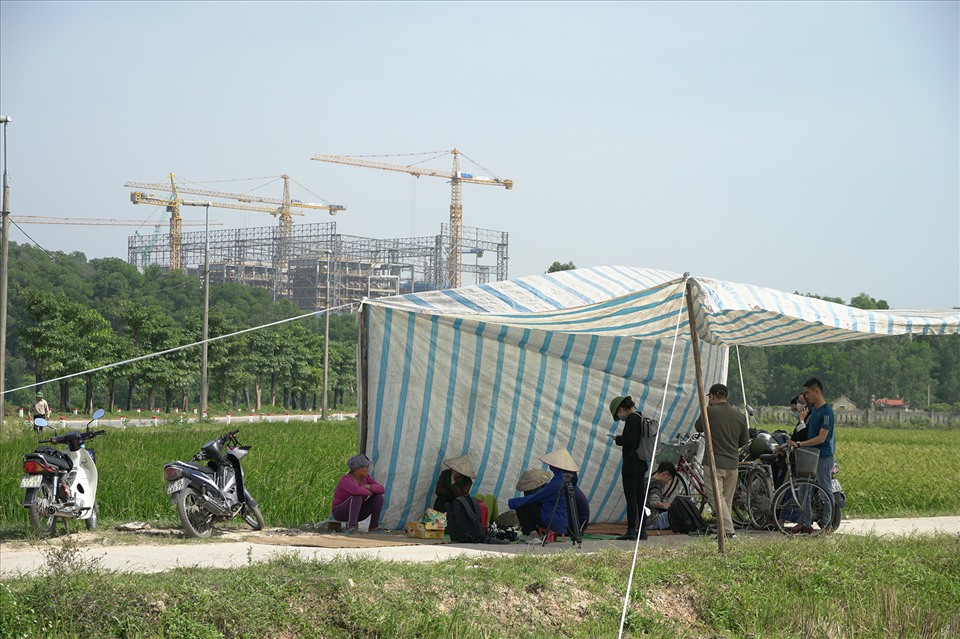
148 558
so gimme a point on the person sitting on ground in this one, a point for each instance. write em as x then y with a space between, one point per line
358 496
545 507
456 480
659 518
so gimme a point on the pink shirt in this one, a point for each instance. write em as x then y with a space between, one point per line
348 488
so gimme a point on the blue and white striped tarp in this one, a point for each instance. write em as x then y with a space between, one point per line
509 371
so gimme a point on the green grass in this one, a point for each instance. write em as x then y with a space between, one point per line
293 468
857 587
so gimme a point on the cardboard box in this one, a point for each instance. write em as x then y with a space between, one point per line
416 530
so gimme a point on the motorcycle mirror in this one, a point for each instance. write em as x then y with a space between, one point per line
749 409
40 421
97 414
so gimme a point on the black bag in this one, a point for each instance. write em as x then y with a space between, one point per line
685 517
463 521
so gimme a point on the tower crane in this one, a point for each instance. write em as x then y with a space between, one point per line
245 202
457 179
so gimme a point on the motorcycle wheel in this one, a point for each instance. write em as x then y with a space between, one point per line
91 521
837 517
40 522
196 521
251 515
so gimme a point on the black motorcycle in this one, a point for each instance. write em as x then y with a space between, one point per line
215 491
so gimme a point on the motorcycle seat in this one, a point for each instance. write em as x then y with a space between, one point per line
54 458
202 469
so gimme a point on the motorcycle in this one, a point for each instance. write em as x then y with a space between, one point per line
216 491
839 498
61 485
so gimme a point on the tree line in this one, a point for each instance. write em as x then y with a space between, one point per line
68 314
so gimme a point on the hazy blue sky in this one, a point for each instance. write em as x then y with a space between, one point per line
809 146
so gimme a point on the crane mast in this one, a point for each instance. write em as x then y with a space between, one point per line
457 178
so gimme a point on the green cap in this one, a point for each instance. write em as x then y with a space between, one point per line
615 404
39 393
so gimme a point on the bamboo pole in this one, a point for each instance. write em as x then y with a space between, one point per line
719 504
362 381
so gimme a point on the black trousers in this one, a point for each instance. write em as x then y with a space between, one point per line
634 485
529 517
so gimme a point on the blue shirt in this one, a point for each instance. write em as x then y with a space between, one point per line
820 419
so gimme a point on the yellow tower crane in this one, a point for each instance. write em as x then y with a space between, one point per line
457 179
283 208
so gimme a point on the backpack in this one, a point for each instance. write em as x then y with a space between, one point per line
648 435
685 517
463 521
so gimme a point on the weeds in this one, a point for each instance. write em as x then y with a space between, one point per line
838 587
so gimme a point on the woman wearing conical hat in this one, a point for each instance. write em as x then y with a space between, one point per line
454 481
545 507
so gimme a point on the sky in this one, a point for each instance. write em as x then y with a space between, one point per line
811 147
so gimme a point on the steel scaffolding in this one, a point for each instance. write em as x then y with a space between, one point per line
300 267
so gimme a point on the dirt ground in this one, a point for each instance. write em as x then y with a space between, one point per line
158 550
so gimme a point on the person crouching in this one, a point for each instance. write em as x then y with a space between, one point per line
358 495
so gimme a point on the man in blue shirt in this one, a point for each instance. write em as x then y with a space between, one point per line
820 435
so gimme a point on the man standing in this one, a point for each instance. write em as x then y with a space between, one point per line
728 432
40 408
820 423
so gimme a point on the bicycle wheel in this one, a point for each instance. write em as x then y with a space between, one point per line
790 500
759 498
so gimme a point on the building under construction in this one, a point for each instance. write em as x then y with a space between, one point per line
314 261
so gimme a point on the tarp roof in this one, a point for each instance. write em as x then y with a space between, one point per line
511 370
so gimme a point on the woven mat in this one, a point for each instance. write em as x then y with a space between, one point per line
343 541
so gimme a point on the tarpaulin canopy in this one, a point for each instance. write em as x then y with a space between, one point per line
508 371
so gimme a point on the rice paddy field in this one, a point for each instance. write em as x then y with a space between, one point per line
293 467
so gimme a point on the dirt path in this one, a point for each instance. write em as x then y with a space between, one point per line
237 549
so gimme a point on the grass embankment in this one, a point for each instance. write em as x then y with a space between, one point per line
293 468
857 587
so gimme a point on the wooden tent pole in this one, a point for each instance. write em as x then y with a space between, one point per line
719 504
362 379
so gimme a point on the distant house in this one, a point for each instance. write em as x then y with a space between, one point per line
883 403
843 403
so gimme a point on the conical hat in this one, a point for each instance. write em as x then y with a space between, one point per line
533 478
561 459
462 465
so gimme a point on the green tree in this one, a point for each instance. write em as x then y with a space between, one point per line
558 266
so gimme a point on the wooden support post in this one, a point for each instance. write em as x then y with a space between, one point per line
719 504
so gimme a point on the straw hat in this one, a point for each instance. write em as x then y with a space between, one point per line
532 478
561 459
462 465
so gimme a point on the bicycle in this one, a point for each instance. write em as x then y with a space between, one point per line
692 483
801 491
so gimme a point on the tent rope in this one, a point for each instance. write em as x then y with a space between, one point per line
656 447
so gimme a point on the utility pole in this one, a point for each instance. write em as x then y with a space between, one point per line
326 340
206 312
4 261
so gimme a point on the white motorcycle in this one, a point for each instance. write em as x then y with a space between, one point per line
61 484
